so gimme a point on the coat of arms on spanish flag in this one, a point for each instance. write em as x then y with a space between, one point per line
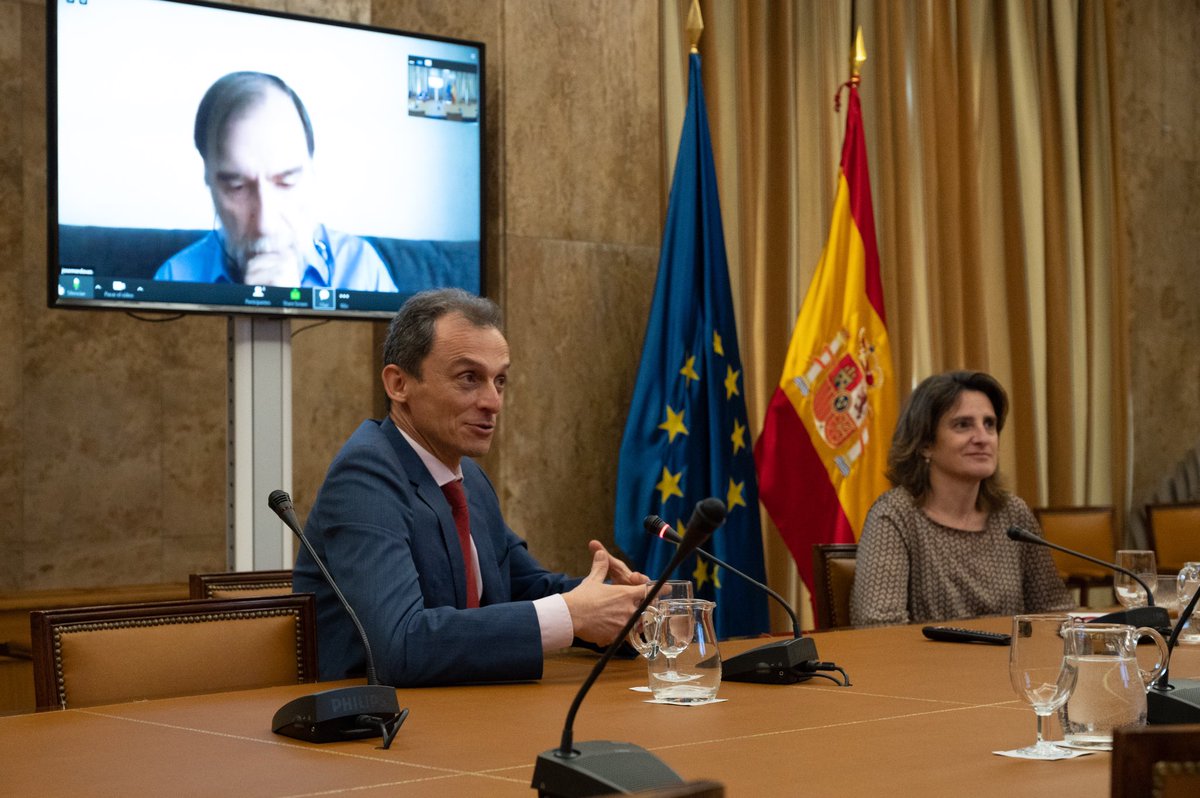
822 454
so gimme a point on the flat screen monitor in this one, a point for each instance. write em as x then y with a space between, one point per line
210 158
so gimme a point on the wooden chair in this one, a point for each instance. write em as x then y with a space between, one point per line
1085 529
1158 761
1174 534
84 656
239 584
833 578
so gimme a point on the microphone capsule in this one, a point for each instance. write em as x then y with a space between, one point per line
654 525
1021 535
659 528
279 501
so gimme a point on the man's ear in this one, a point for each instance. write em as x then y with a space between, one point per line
395 383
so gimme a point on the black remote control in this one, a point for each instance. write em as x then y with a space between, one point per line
951 634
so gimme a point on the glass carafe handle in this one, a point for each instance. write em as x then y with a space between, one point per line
1163 654
644 636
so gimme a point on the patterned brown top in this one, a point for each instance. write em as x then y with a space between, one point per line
911 569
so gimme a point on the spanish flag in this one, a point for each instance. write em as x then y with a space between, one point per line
822 454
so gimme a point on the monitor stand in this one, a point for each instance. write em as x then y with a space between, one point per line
259 442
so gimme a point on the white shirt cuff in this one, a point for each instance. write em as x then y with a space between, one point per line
555 621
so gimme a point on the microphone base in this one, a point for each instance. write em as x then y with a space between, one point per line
339 714
1180 703
1154 617
600 767
774 663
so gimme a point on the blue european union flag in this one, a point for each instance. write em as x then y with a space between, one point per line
686 436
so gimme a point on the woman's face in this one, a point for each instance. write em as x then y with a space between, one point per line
965 446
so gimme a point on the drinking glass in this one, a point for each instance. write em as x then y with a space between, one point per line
1166 593
1040 672
644 636
673 589
1141 562
1188 582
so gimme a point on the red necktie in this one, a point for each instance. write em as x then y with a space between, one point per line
462 521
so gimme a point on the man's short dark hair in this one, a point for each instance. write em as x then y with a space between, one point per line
230 96
918 426
410 335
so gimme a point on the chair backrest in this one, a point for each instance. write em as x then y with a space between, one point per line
1174 534
1159 761
239 584
700 788
833 579
1085 529
84 656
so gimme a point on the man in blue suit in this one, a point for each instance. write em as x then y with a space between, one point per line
445 596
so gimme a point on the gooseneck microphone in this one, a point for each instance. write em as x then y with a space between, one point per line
1166 702
778 662
1150 615
343 713
659 528
599 767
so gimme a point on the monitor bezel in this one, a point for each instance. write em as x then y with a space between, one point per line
54 267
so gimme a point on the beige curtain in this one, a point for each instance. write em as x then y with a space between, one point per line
990 133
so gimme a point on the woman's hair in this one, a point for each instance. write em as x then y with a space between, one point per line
918 425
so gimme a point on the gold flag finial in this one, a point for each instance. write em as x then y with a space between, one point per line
860 57
695 25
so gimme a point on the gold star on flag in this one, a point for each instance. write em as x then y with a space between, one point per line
718 347
731 378
673 425
739 436
669 485
689 369
716 576
700 574
734 497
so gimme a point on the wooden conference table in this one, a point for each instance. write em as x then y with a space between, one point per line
922 718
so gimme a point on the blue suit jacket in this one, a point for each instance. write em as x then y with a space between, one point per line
385 532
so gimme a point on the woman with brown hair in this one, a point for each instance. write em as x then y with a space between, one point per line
934 547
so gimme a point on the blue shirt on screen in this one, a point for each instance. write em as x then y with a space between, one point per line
349 263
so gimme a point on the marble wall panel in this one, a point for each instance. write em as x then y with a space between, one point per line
11 90
347 10
575 320
92 440
582 188
335 383
1158 115
477 20
11 473
193 374
11 272
582 124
